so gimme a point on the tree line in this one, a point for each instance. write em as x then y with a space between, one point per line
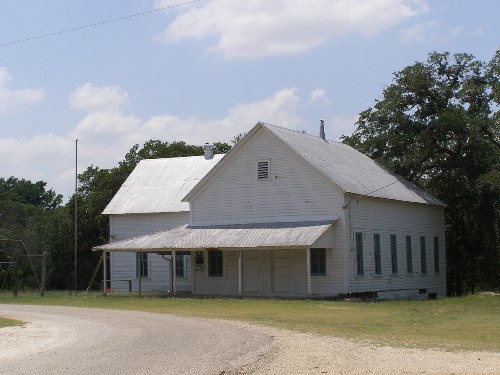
437 125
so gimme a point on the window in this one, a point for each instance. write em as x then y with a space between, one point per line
179 266
423 255
376 254
141 269
215 263
263 170
359 254
318 262
394 254
436 254
409 256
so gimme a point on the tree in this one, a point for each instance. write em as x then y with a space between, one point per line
438 126
27 192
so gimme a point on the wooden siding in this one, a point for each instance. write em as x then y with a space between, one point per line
295 190
123 265
270 273
385 217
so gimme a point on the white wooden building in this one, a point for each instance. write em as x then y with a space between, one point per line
149 201
290 214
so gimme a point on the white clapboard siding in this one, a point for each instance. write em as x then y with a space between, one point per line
372 215
123 265
295 190
280 272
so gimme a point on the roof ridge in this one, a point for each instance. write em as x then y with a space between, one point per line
297 131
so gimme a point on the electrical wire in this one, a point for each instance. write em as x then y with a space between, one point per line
96 24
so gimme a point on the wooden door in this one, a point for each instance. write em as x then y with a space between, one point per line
280 270
251 271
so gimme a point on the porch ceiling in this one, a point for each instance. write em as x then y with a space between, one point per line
237 236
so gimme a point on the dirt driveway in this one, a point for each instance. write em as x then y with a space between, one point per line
92 341
62 340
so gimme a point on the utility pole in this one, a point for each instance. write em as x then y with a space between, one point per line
44 274
76 207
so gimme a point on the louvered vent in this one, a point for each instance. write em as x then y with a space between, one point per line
262 170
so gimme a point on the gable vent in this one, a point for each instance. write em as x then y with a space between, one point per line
262 170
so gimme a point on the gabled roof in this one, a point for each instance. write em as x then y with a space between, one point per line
349 169
241 236
158 185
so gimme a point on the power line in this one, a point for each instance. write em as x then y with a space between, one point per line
97 24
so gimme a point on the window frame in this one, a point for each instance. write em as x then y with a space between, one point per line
218 256
141 265
318 254
182 258
409 254
358 240
423 255
394 253
377 255
437 256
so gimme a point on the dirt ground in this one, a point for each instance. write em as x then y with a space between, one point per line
94 341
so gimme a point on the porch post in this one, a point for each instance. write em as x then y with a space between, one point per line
174 286
104 272
239 273
308 265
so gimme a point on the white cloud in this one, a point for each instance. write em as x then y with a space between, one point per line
89 97
258 28
318 96
106 134
13 99
419 32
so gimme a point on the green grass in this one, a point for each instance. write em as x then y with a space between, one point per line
471 322
5 322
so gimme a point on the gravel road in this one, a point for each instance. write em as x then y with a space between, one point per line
60 340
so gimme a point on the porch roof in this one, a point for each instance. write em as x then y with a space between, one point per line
294 235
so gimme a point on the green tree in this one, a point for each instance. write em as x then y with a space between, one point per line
438 126
27 192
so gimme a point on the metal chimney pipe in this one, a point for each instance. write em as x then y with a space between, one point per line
322 130
209 151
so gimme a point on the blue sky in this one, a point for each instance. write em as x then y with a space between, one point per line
205 71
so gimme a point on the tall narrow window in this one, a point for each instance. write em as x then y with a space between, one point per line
394 254
359 254
215 263
423 255
141 269
376 254
179 266
436 254
409 256
263 170
318 262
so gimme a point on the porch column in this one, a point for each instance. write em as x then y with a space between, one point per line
239 273
308 265
104 272
174 286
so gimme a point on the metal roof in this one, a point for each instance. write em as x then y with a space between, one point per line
158 185
247 236
349 169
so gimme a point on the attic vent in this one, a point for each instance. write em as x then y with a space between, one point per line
263 170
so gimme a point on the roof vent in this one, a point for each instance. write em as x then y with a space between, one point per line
263 170
209 151
322 130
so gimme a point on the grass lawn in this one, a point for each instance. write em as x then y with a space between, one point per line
471 322
4 322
